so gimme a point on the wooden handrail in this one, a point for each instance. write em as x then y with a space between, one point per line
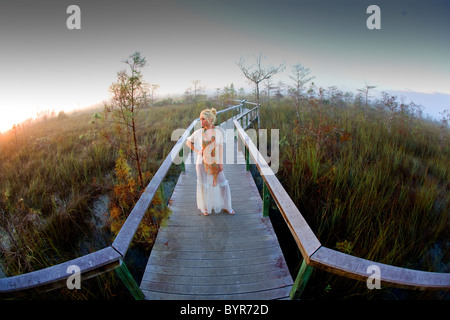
56 276
241 103
316 255
357 268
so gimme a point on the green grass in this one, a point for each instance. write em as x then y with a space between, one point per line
51 173
384 195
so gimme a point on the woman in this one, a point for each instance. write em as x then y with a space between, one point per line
213 190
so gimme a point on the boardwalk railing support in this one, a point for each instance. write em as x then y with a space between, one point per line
181 154
128 280
162 194
266 200
300 282
247 159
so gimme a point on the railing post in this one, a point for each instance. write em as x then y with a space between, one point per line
247 158
126 277
259 116
181 154
162 194
266 200
300 282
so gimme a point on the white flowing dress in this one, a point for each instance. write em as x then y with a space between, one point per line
210 197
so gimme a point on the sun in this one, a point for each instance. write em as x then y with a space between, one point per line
5 124
14 116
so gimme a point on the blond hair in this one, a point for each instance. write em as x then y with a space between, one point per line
209 114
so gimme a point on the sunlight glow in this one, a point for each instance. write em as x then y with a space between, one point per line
9 119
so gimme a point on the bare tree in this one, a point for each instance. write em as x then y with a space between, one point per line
228 95
392 107
128 97
153 89
445 118
194 91
197 88
269 87
257 73
300 76
279 90
365 92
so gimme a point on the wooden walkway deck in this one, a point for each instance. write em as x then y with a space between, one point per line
219 256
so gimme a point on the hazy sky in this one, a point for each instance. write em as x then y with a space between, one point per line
44 65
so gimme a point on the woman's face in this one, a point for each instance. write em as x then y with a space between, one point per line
204 121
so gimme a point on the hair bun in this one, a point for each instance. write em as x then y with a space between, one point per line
214 111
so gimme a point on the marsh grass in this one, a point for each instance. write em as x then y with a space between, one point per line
51 173
375 191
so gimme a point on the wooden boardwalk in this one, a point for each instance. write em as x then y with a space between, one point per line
219 256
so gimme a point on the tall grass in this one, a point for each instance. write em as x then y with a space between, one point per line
375 191
48 178
51 173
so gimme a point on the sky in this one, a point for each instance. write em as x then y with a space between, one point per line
46 66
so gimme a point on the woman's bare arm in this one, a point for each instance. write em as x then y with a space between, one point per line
191 146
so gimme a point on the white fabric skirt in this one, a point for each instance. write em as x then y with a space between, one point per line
210 197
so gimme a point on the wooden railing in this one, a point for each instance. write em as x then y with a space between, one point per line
317 256
111 257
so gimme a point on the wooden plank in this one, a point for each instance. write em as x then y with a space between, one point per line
182 233
227 245
356 268
227 238
212 272
212 255
278 293
218 280
162 259
237 288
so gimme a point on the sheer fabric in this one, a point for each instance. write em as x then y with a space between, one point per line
213 190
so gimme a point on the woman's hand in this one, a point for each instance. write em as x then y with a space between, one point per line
220 167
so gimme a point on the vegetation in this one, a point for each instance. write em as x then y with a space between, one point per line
54 172
129 96
372 181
